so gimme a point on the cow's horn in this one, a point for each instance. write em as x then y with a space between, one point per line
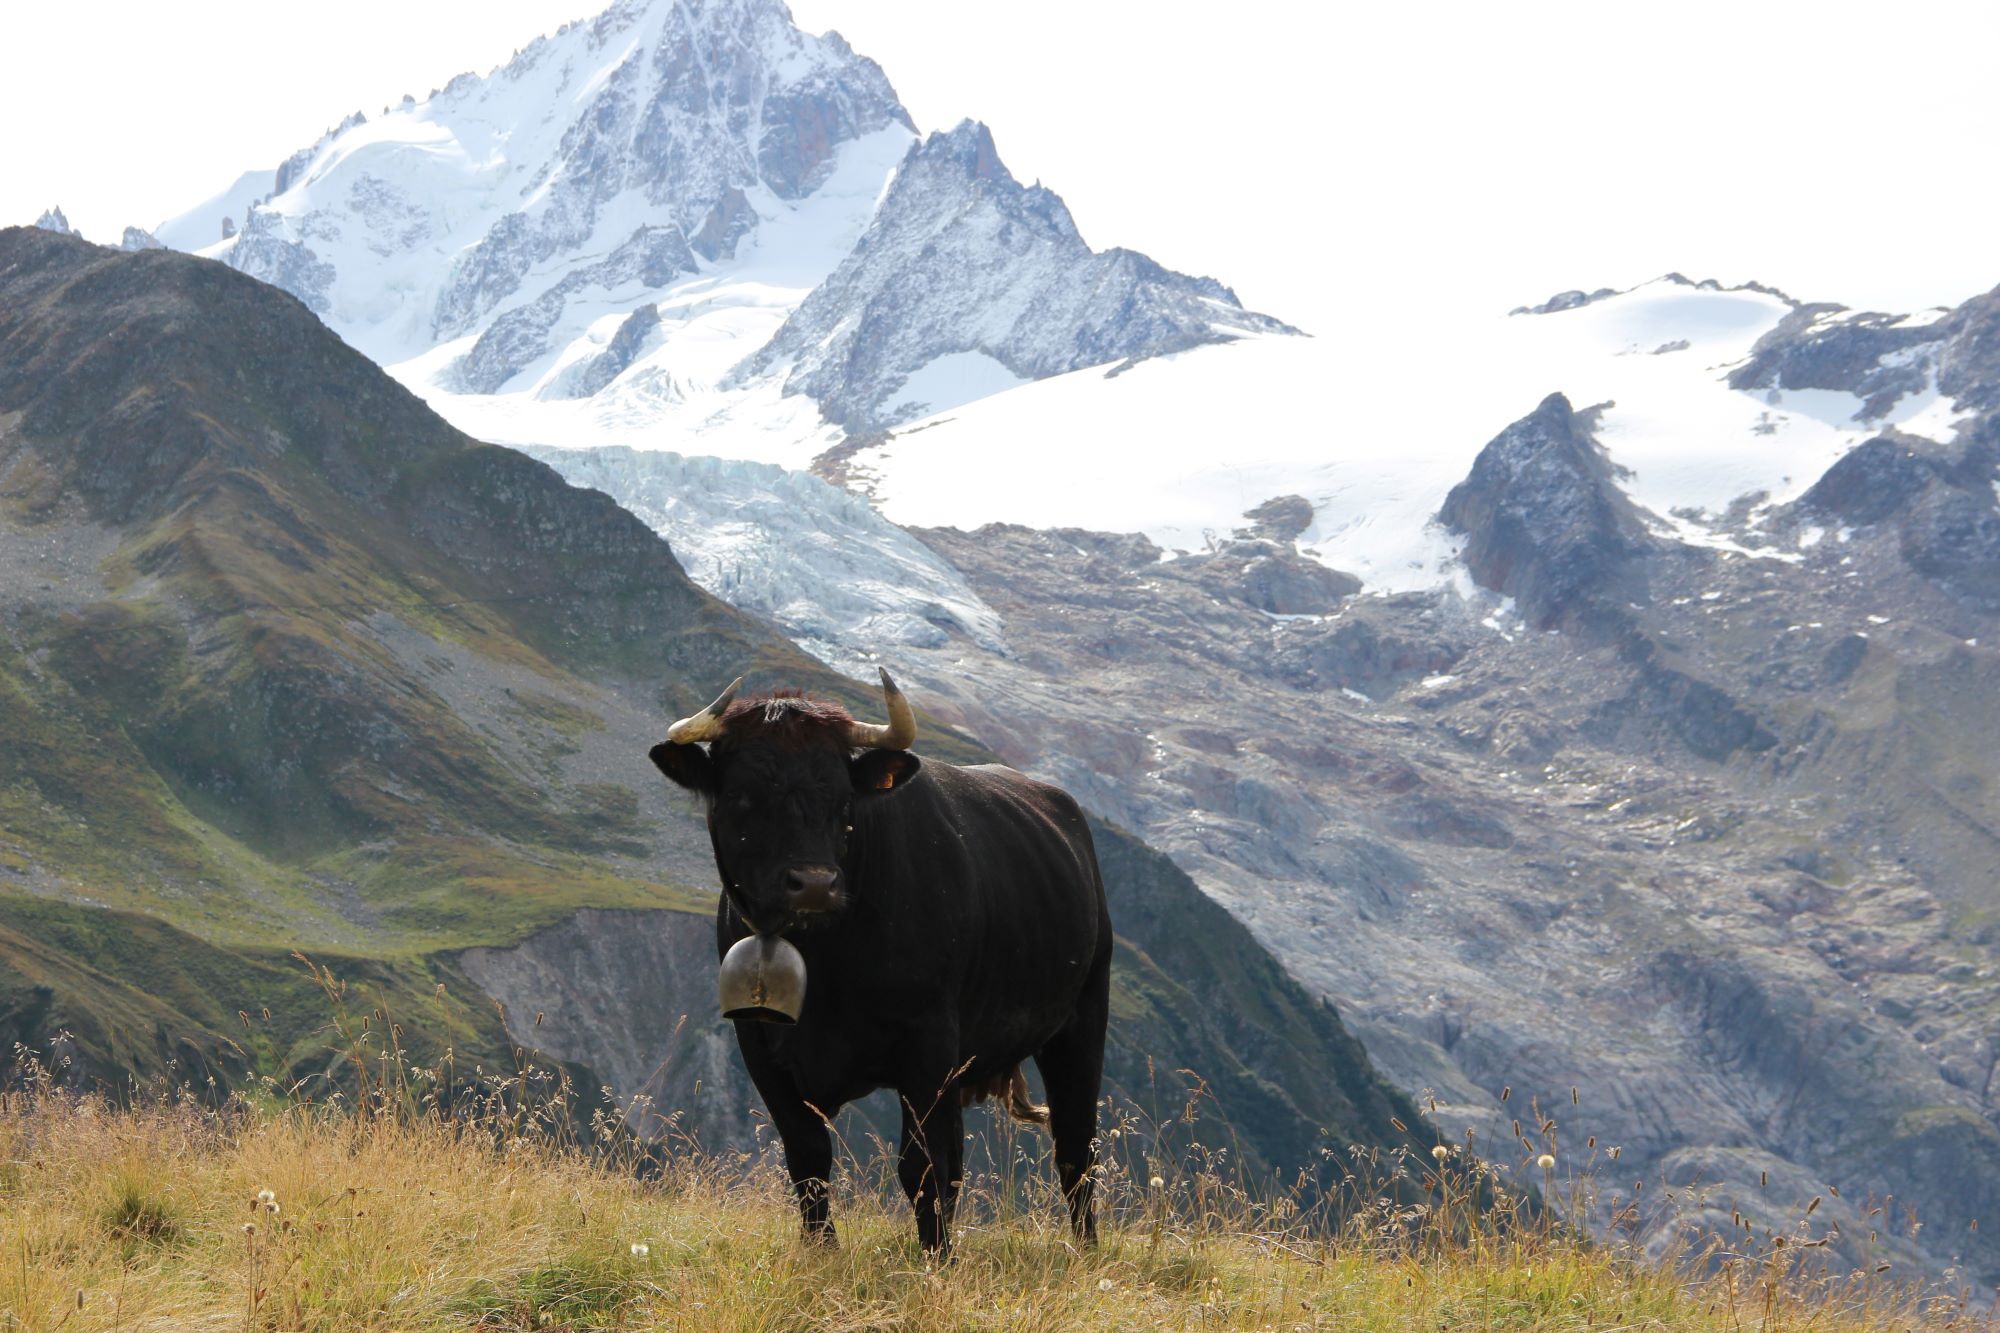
707 724
900 732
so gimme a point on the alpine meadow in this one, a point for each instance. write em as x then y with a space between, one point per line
642 693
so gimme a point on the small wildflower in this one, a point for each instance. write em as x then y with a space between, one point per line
1105 1284
1546 1161
640 1250
1440 1152
1157 1183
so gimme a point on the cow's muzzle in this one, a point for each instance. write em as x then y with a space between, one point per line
810 890
763 979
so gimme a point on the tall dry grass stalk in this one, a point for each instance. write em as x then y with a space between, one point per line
389 1194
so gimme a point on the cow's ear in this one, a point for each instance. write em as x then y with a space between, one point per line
883 770
685 765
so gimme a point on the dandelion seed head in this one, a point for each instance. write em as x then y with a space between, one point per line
641 1250
1546 1161
1157 1183
1440 1152
1105 1284
266 1196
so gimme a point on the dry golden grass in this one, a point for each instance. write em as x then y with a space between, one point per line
151 1218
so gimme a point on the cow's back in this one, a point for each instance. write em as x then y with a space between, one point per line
993 880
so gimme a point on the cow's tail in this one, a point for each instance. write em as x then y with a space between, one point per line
1020 1105
1011 1091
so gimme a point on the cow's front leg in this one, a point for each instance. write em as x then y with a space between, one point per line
932 1162
809 1161
804 1134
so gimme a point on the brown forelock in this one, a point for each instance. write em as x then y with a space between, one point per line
790 717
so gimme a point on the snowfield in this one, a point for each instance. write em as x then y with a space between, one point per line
696 230
1179 447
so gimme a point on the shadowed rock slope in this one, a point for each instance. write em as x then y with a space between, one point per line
286 662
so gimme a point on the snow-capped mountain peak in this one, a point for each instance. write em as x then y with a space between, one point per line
617 153
967 281
595 242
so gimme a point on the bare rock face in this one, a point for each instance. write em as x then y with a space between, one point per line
629 995
1883 358
961 258
1282 518
1829 347
1936 503
618 355
1544 520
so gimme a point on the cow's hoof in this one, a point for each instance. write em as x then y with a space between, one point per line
820 1238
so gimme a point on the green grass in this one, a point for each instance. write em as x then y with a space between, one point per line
380 1215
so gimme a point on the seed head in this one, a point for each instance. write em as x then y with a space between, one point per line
249 1228
1546 1161
1440 1152
1105 1284
266 1196
640 1250
1157 1183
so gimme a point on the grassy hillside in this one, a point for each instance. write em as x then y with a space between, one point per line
289 664
171 1217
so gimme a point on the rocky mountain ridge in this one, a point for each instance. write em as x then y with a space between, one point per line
966 274
706 161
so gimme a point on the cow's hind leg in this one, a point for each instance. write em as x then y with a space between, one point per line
931 1164
1072 1065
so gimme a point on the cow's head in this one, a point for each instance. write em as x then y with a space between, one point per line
781 780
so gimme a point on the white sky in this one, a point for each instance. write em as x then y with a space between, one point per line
1336 164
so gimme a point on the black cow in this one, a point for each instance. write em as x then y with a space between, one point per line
952 921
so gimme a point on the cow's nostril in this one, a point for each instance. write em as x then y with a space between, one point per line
811 887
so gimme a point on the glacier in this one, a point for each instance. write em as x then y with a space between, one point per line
842 581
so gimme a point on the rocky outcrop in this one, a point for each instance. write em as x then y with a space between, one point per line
963 259
53 220
727 222
617 356
630 995
1939 501
1969 364
1543 517
1561 301
138 238
1878 358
